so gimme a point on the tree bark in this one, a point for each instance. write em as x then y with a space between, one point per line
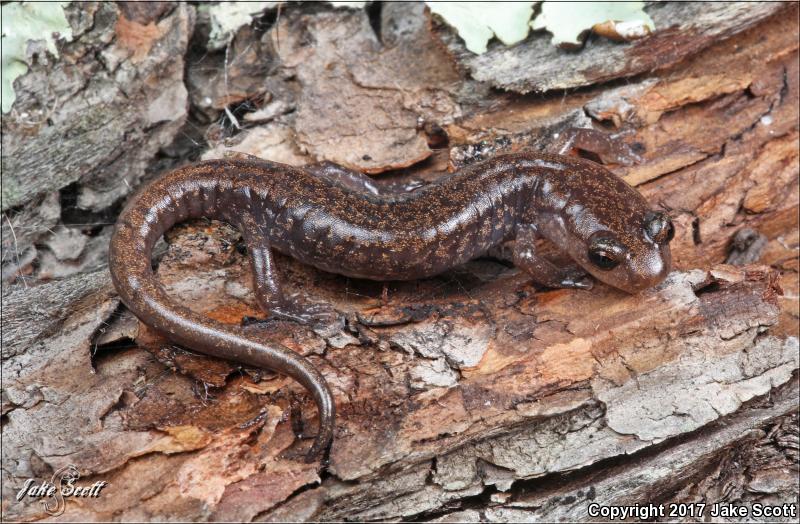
473 396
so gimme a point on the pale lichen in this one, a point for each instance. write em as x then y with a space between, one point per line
23 22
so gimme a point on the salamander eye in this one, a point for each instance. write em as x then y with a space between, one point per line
658 228
602 259
670 231
605 252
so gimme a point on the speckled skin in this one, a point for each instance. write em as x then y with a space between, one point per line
335 220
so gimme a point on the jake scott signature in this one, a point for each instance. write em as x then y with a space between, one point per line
62 485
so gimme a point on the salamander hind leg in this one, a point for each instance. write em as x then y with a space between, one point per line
543 271
271 296
346 178
359 183
321 317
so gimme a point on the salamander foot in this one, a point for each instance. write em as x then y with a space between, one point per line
322 318
609 148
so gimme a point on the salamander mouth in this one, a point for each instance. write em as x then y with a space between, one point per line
633 280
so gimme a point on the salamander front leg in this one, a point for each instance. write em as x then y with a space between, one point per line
609 148
542 270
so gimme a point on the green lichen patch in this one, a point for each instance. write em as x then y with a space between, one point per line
569 21
23 22
477 22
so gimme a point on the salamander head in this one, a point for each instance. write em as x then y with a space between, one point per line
633 259
604 225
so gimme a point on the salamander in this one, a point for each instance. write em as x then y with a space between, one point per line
337 220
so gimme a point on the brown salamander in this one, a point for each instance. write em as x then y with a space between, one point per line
337 221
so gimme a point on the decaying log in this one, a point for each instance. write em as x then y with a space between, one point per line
685 30
84 129
471 396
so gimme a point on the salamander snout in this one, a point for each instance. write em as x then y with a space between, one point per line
634 261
